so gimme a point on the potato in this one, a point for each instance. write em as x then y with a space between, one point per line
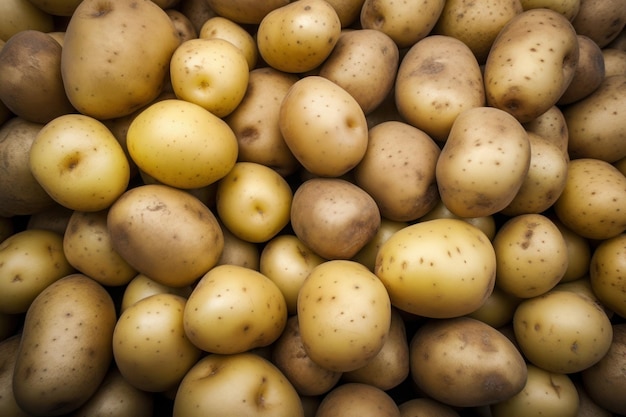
234 386
614 61
398 171
55 218
531 255
344 313
254 202
65 351
364 63
141 287
223 28
233 309
531 63
425 407
30 77
483 162
390 367
486 224
165 233
463 362
606 273
255 121
596 124
306 376
30 260
498 309
592 202
8 354
545 393
602 21
245 11
545 179
19 15
105 51
116 397
552 126
334 217
476 24
148 336
183 26
578 253
568 8
367 255
587 407
357 400
239 252
88 248
57 7
589 72
298 36
406 23
323 126
348 11
604 380
562 331
197 11
438 268
583 286
20 192
287 261
438 79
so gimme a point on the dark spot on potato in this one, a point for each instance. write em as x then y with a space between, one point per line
249 135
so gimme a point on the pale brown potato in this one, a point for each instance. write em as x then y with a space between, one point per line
238 251
589 73
197 11
57 7
568 8
606 276
367 255
184 26
487 224
578 253
357 400
8 354
19 15
498 309
600 20
614 61
347 10
426 407
245 11
551 125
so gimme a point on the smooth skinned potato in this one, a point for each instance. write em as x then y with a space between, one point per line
589 72
244 11
8 353
600 20
606 273
354 399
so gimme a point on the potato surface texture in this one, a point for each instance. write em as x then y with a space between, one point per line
65 351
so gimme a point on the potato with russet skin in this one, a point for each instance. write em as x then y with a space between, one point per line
65 351
364 63
589 73
222 28
31 85
165 233
105 52
483 162
438 79
334 217
531 63
355 399
592 202
476 24
298 36
600 20
606 273
323 126
236 385
463 362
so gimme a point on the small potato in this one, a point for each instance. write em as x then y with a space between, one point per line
426 407
578 253
483 162
476 24
463 362
606 273
182 24
223 28
552 126
65 351
245 11
592 201
141 287
347 10
596 124
357 400
344 313
30 261
589 72
545 393
306 376
498 309
405 22
438 268
600 20
438 79
531 255
150 346
364 63
531 63
367 255
614 61
239 252
562 331
298 36
398 171
323 126
198 11
487 224
334 217
233 309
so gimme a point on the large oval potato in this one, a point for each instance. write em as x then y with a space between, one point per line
438 79
65 351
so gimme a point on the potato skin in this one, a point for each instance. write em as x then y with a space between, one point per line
65 351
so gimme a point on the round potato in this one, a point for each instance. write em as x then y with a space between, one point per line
238 251
165 233
398 171
439 268
334 217
233 309
438 79
498 309
141 287
323 126
354 399
562 331
344 313
589 72
552 126
592 201
222 28
606 273
600 20
367 255
463 362
364 63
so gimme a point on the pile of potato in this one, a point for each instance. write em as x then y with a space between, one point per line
312 208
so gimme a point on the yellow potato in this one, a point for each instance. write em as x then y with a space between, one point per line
614 61
498 309
606 273
245 11
578 253
552 126
354 399
19 15
425 407
600 20
487 224
438 268
222 28
347 10
183 26
438 79
239 252
8 354
367 255
568 8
